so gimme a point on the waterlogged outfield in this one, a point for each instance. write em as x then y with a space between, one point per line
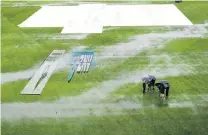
29 46
194 53
22 48
157 121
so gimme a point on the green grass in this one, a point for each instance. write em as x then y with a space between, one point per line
22 48
26 48
182 48
191 51
119 34
187 84
143 122
195 11
21 51
30 49
186 46
58 87
25 43
187 51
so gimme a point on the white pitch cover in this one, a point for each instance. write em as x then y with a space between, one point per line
42 75
87 19
91 18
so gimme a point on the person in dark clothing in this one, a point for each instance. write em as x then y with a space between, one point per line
163 87
146 81
144 87
178 1
152 81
